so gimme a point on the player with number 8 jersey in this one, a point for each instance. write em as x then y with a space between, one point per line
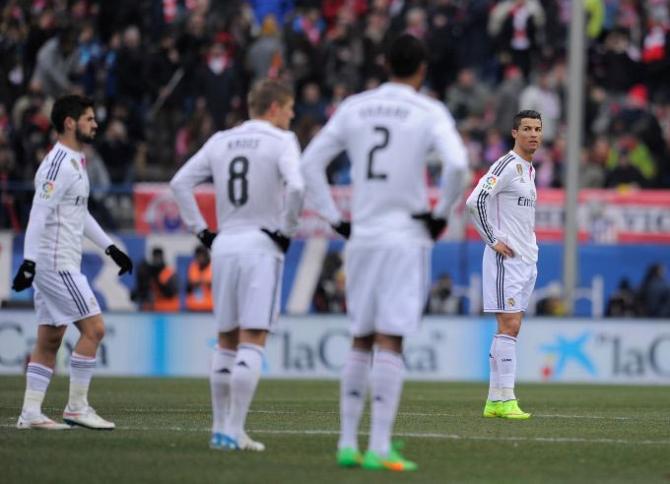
259 190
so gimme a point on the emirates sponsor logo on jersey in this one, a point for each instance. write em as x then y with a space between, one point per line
48 188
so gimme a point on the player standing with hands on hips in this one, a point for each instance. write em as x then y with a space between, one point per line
259 193
502 207
59 220
388 133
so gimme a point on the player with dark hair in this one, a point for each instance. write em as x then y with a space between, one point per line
502 207
59 220
259 191
387 133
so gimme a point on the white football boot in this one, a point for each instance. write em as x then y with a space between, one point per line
86 417
246 443
39 421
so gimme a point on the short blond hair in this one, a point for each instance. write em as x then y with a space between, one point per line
264 93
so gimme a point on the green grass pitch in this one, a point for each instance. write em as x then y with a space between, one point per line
578 433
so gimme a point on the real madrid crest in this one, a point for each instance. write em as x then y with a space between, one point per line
519 169
74 164
510 301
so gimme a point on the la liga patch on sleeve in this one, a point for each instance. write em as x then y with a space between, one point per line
47 190
489 182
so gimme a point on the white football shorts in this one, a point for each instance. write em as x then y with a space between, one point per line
246 290
507 282
63 297
387 288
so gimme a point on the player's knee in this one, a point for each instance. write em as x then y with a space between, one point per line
49 344
509 324
95 333
363 343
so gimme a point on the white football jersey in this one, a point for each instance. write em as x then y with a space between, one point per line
62 185
502 206
257 181
387 133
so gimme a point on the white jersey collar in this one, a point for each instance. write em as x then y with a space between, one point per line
70 151
259 123
397 86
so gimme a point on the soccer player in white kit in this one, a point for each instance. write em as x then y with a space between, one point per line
259 191
59 220
502 207
388 133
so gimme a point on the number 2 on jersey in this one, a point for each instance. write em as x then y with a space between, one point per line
237 181
386 134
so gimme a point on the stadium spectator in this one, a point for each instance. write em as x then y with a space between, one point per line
467 97
265 56
542 95
622 304
199 281
157 286
311 104
99 181
517 27
614 64
654 293
57 63
630 163
442 299
118 153
218 80
507 98
329 295
592 173
552 303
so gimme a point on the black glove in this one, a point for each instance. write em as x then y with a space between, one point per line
24 276
343 228
206 237
121 259
278 238
435 225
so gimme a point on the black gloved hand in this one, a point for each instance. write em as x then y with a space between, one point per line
121 259
206 237
435 225
343 228
24 276
278 238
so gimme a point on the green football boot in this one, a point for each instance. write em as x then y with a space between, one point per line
510 409
493 408
349 457
394 461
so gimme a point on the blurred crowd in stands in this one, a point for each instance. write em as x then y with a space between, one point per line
166 74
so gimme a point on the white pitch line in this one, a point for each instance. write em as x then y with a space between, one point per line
148 410
400 414
417 435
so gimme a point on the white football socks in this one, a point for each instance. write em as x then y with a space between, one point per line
38 378
219 384
505 355
386 379
353 392
495 392
81 371
243 382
